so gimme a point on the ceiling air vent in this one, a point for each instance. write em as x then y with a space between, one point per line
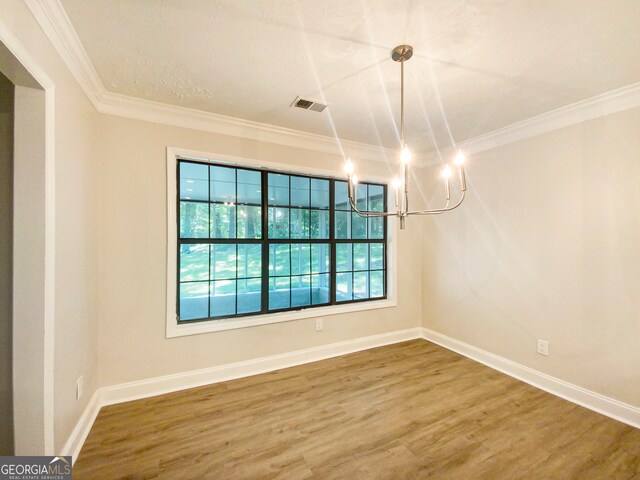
308 104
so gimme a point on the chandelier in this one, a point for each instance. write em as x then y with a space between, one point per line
401 54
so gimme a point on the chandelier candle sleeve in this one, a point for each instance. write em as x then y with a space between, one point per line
396 184
354 190
460 162
401 54
405 158
446 173
447 188
348 167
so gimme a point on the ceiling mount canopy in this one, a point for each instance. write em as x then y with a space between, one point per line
401 54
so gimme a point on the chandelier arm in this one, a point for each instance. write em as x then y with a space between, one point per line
376 214
363 213
446 206
438 210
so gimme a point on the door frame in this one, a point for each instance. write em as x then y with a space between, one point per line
34 302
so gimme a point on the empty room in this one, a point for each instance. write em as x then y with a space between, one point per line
293 239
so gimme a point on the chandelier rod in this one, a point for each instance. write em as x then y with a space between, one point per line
405 206
402 144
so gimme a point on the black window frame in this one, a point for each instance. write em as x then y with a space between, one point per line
265 242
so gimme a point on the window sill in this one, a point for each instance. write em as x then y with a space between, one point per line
181 330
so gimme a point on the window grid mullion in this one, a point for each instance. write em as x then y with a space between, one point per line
309 226
211 284
235 210
310 259
290 272
369 270
332 239
353 264
235 311
264 293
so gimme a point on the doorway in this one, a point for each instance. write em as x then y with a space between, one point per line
31 280
6 266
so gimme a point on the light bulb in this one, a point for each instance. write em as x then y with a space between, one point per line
395 183
405 156
446 172
348 167
459 158
354 179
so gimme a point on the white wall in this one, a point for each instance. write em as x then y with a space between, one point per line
6 270
133 262
547 246
76 176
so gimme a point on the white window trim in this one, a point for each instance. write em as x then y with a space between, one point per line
178 330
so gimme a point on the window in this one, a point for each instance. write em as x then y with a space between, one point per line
255 241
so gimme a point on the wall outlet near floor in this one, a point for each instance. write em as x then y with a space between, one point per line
543 347
318 324
79 387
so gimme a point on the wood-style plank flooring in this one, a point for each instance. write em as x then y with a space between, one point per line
407 411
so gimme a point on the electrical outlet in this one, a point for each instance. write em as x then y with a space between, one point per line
543 347
318 324
79 387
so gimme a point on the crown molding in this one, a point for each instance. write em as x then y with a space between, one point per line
55 23
142 109
53 19
599 106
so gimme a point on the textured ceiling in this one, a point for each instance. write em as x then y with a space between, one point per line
478 64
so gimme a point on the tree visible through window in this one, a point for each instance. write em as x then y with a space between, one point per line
256 241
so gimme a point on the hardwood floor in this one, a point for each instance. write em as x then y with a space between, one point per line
406 411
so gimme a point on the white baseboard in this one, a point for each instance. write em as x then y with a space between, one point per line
594 401
82 428
171 383
180 381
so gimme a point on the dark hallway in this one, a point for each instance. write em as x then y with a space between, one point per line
6 265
